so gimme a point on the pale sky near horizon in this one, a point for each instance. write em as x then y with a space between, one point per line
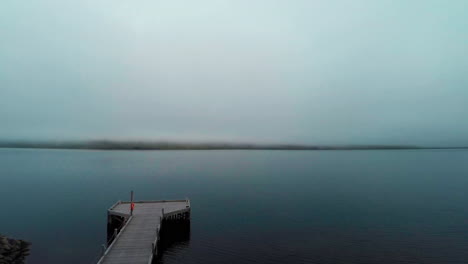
315 72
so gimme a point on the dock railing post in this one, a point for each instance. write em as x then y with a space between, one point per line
131 203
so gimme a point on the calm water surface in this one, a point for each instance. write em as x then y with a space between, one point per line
402 206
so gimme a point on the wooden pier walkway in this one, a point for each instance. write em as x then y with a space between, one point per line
134 238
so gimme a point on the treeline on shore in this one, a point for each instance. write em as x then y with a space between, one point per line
148 145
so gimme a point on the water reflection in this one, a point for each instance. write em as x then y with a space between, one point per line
174 238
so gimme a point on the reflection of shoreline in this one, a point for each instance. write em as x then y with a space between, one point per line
146 145
174 236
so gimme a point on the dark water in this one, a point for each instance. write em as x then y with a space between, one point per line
247 206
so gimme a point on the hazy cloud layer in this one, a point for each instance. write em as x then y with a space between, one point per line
271 71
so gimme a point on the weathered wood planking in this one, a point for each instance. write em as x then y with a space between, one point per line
136 242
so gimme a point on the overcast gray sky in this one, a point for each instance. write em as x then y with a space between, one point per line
316 72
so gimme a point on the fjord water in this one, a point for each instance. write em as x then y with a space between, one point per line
389 206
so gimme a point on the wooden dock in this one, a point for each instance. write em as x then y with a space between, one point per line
133 237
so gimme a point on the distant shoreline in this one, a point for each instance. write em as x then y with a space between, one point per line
142 145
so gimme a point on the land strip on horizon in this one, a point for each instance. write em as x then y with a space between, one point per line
160 145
